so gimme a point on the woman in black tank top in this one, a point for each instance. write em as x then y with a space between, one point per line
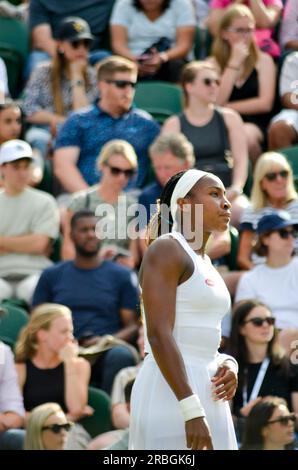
47 363
248 78
214 132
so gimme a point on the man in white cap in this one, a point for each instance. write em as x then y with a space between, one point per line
29 221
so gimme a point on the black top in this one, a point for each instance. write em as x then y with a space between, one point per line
277 382
209 141
43 385
250 89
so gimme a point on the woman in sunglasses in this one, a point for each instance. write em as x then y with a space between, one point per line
264 369
275 282
48 365
273 189
61 86
117 164
269 426
47 428
213 131
248 75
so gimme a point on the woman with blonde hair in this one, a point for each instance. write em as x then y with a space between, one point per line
248 75
213 131
273 189
48 365
47 428
65 84
117 163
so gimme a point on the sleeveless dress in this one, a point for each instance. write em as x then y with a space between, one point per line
156 420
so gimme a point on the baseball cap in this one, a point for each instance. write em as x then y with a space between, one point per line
74 28
13 150
275 221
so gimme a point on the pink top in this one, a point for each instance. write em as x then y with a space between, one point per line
263 36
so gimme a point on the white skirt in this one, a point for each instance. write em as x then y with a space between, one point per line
156 421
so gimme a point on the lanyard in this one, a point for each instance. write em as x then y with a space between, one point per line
257 384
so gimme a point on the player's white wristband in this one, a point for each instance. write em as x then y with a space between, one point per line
191 408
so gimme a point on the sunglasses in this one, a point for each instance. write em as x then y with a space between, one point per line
284 420
122 83
258 321
211 81
274 174
115 171
82 42
285 234
241 30
57 428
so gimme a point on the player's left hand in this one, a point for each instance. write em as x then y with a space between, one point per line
224 382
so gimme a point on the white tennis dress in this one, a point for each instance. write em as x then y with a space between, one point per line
156 419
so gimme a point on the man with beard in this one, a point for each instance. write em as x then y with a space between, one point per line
102 296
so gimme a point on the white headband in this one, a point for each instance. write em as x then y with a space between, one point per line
184 185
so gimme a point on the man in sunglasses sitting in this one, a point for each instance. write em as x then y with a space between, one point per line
86 131
275 283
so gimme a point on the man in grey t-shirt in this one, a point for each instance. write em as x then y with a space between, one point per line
29 221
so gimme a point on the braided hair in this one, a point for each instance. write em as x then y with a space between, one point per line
163 217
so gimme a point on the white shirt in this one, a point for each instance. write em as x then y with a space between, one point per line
10 394
275 287
142 32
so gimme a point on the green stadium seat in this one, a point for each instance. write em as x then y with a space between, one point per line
100 421
14 50
160 99
232 257
13 320
292 156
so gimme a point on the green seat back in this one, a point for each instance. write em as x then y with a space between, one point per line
100 421
14 319
160 99
202 43
292 156
14 49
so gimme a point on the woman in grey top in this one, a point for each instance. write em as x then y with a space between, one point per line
117 162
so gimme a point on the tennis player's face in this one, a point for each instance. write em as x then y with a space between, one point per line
210 192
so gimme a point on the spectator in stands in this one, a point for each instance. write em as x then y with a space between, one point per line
29 222
273 189
169 154
266 14
47 428
10 121
288 27
157 35
248 75
11 127
276 281
19 12
102 295
47 362
263 367
63 85
283 130
48 365
11 402
3 82
84 133
269 426
213 131
117 163
45 18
